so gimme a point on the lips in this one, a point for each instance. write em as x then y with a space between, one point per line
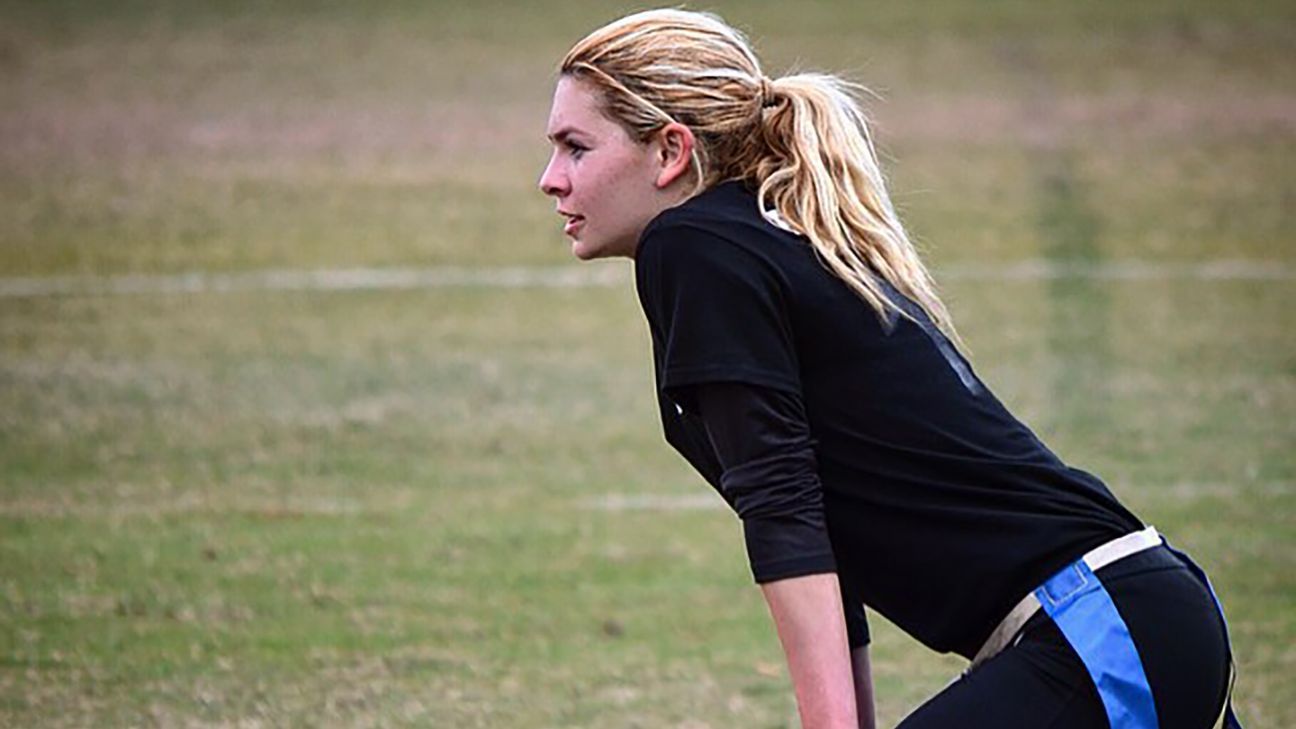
573 222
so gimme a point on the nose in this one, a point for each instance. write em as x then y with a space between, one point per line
552 181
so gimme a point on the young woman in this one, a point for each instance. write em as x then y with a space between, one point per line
805 367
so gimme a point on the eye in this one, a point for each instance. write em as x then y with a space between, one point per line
576 149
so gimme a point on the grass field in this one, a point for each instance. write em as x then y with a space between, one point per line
452 506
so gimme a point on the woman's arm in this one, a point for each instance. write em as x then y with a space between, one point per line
807 613
763 442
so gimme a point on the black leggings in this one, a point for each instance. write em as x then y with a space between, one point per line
1040 681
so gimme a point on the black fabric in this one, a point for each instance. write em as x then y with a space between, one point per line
941 507
1041 683
769 476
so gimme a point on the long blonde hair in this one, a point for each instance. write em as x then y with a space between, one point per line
802 141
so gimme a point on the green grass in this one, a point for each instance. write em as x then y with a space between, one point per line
381 508
388 494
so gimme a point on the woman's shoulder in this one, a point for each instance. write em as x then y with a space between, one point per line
730 201
723 220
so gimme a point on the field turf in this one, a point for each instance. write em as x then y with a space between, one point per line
451 506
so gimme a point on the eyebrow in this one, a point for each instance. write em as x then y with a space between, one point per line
562 135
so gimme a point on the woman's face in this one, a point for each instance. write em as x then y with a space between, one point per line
604 182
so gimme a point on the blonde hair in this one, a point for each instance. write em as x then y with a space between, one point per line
802 141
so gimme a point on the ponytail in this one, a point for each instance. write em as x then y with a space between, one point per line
819 172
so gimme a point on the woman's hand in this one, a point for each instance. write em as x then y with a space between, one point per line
808 615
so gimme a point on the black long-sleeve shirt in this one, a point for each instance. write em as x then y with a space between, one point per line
763 445
861 446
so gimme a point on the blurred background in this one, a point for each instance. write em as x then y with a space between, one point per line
307 418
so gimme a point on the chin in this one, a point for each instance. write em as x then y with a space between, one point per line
586 252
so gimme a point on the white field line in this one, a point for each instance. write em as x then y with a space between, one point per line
1133 270
189 504
341 279
585 276
703 501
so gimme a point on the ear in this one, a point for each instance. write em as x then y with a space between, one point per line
674 153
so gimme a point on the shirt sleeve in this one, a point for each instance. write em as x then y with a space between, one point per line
763 443
770 476
717 309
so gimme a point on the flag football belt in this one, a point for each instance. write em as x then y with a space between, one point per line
1076 601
